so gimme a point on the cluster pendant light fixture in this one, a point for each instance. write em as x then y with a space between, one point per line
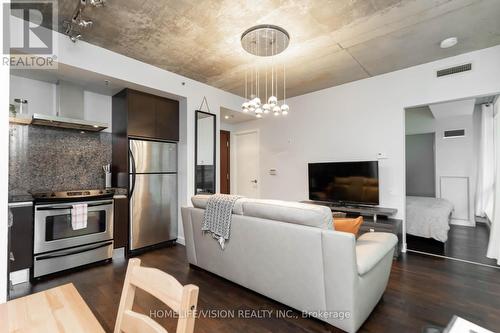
265 41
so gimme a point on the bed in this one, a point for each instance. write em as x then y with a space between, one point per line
428 217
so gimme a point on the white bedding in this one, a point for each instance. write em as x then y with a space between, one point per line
428 217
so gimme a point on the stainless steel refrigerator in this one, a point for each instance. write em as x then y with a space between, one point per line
152 192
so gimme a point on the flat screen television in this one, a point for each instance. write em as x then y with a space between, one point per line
344 182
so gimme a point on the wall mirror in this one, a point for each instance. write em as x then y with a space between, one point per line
205 153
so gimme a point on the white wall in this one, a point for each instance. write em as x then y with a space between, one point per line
419 120
4 168
227 127
97 107
41 96
455 157
355 121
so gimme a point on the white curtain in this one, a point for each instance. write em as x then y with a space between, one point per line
486 164
494 243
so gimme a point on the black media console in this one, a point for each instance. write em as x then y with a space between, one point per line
372 211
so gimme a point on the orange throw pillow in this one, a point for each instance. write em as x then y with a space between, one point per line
351 225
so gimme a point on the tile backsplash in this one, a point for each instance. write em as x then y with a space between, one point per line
48 158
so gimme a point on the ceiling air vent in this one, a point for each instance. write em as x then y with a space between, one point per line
454 70
457 133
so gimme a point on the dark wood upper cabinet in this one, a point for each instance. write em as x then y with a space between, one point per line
141 114
145 115
167 119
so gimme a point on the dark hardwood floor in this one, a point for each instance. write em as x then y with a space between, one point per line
422 291
469 243
465 243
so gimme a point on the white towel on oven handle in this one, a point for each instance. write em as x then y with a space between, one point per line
79 216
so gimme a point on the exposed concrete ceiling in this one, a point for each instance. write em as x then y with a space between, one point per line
332 42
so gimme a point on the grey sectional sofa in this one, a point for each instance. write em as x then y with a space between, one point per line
288 251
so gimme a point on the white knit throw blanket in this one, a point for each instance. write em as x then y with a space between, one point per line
217 216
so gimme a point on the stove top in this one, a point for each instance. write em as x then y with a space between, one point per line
73 195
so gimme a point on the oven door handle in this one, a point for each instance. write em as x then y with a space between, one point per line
68 253
71 207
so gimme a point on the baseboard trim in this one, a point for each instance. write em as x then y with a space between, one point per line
462 223
18 277
487 222
181 240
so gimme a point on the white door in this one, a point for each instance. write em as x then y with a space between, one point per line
246 150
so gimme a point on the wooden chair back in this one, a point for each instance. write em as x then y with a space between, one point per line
181 299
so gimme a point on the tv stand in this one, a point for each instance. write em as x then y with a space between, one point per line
373 211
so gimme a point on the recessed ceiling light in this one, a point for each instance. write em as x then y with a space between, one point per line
449 42
226 117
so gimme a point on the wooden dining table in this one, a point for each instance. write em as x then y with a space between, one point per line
56 310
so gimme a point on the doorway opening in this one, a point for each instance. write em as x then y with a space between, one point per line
239 154
444 144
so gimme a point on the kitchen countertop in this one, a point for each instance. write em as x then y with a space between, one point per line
26 197
20 198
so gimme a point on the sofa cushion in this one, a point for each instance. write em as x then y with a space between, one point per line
201 200
371 248
288 211
351 225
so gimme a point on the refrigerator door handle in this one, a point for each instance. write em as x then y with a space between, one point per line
133 172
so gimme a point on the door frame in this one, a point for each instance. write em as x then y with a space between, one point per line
229 134
403 124
234 162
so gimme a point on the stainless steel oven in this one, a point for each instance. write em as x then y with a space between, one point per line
57 246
